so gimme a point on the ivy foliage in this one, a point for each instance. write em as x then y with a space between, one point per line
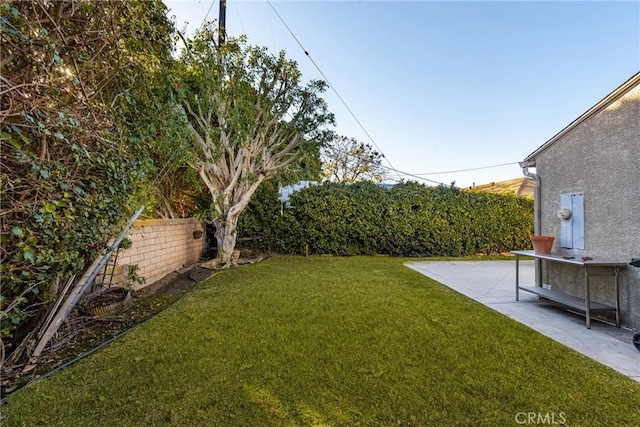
76 78
408 220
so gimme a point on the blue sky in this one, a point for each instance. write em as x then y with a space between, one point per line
442 86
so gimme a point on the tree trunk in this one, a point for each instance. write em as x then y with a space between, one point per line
226 237
226 231
226 227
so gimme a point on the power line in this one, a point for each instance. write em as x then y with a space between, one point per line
391 167
240 19
466 170
330 85
412 175
273 38
421 175
207 14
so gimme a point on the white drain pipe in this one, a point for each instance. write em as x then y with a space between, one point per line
537 212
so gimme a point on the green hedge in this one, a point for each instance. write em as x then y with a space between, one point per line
408 220
74 142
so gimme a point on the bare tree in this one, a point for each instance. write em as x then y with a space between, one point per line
250 117
349 160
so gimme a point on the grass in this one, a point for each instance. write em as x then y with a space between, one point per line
328 341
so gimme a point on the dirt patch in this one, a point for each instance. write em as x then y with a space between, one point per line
83 332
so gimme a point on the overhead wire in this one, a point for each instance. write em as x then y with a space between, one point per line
207 14
420 176
273 38
239 18
412 175
467 170
330 85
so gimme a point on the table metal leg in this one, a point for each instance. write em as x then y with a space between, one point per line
617 298
517 277
587 297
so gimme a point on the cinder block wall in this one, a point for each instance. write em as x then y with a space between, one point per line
161 246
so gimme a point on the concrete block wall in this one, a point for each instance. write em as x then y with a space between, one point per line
159 247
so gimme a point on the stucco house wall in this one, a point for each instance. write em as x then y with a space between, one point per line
599 157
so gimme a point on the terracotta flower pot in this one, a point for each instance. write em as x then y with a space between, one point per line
542 244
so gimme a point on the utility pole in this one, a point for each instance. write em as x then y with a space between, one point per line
222 18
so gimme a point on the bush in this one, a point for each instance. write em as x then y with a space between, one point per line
74 148
408 220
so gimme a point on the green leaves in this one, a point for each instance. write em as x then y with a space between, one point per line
29 255
17 231
349 160
408 220
86 108
249 118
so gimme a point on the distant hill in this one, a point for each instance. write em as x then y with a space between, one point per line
522 187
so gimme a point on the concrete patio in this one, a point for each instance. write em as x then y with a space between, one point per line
492 283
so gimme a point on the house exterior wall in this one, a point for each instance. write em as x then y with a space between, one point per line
600 157
159 247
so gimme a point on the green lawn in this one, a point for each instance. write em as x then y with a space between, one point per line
329 341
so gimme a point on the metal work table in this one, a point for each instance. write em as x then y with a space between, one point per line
583 304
